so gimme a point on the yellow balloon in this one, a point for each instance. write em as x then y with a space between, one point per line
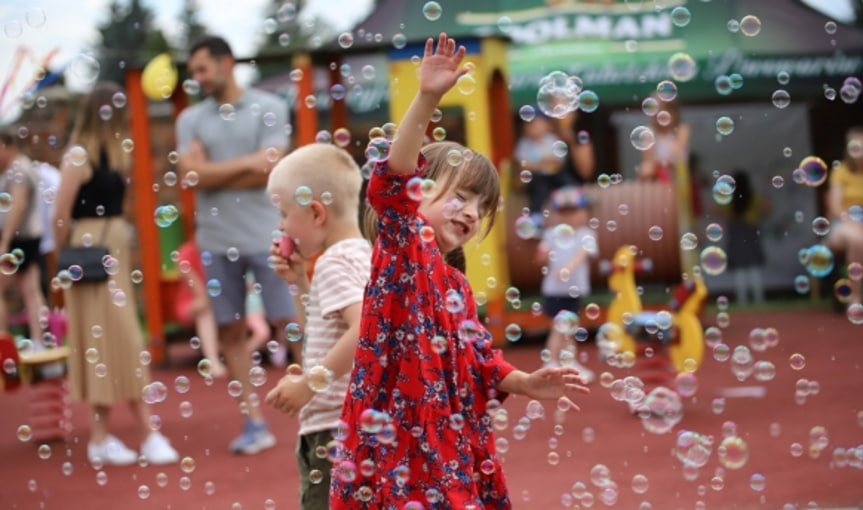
159 78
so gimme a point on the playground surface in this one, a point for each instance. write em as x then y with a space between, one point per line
773 425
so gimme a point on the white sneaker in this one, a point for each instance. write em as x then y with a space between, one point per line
112 452
158 450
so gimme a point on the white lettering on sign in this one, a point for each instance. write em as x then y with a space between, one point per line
609 73
582 26
732 61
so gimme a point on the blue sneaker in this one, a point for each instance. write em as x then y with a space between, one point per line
256 437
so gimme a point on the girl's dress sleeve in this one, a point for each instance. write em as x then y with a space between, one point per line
488 363
388 195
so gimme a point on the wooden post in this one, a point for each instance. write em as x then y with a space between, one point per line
145 204
338 109
502 141
187 194
306 123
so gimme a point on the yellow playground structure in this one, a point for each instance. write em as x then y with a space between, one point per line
676 330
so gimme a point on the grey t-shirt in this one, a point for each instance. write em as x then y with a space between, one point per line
234 218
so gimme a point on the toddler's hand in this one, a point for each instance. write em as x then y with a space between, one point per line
291 269
290 394
440 70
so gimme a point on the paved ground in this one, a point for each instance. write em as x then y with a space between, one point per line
603 433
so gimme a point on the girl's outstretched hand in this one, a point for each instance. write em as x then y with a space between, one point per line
440 69
552 383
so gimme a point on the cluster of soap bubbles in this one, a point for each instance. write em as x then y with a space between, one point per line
560 94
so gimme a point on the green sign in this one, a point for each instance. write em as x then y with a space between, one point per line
623 49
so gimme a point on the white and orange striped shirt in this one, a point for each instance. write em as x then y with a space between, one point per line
339 280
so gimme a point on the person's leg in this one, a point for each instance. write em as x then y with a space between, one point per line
554 344
303 454
556 340
847 236
34 302
278 304
757 283
99 423
855 254
239 362
317 493
142 413
259 330
208 334
5 281
229 308
740 285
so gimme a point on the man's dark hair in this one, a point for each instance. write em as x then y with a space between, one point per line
217 46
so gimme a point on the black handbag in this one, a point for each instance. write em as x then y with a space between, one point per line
91 260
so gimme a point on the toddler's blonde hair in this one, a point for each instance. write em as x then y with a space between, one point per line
331 173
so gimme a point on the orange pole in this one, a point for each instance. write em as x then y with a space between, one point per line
503 132
187 194
338 109
502 146
145 204
306 123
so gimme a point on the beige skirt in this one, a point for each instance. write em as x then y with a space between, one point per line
104 335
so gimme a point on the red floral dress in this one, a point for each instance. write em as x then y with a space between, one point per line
417 433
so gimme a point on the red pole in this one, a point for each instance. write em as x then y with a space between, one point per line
338 109
187 194
145 204
306 118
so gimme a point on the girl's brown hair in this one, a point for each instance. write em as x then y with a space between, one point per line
95 134
472 172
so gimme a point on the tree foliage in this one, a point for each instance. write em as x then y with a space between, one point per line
125 37
858 12
286 31
193 27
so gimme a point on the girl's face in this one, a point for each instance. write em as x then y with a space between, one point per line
455 215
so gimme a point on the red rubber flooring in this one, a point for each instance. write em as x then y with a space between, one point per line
603 433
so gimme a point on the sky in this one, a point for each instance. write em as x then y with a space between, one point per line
39 26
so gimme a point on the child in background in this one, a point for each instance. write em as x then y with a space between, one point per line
534 152
259 329
425 375
323 220
745 252
566 245
193 307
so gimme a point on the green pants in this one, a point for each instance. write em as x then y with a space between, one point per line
314 470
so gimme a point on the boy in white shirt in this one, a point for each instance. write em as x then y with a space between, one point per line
567 243
318 192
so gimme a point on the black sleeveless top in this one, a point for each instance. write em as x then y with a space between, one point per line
101 196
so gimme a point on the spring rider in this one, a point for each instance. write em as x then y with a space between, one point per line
675 333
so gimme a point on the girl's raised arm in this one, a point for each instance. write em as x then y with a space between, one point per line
439 71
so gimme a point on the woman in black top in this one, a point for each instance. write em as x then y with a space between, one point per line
104 336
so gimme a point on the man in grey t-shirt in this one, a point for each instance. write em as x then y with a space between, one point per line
228 143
